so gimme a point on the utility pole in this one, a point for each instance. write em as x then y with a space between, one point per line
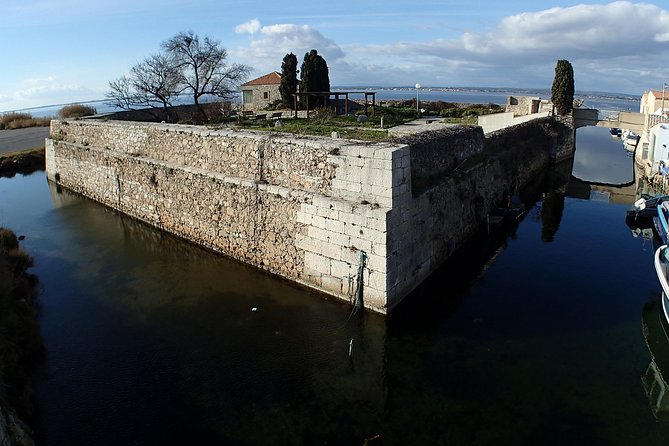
417 106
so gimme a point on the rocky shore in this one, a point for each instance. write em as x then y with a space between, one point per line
20 342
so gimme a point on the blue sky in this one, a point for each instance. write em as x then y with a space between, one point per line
68 50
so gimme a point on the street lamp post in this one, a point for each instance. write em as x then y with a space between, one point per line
664 88
417 106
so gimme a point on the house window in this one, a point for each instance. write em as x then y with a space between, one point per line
247 96
265 95
644 151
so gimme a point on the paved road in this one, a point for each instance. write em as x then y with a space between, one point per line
22 139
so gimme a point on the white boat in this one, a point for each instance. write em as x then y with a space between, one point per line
630 140
661 222
662 269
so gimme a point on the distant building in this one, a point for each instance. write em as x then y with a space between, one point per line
259 93
654 139
527 105
651 102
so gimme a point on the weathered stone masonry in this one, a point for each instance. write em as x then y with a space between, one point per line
300 207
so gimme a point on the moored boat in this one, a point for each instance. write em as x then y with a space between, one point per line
662 270
630 140
645 208
661 221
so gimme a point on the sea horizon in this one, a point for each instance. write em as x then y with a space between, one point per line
496 95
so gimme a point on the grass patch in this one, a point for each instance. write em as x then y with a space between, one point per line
467 120
346 128
323 122
35 151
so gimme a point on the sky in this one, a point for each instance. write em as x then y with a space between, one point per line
64 51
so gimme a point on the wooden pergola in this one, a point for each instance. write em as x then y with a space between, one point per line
337 94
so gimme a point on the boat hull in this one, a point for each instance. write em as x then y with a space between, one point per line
660 222
665 309
644 211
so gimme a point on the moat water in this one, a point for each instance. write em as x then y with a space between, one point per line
530 335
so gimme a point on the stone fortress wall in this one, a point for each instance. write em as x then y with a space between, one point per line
305 208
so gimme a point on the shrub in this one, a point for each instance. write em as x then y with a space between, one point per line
16 120
8 240
470 110
322 115
452 113
76 111
8 118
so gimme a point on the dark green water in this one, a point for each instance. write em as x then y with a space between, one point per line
529 337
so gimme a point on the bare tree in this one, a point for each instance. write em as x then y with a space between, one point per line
202 66
121 93
152 83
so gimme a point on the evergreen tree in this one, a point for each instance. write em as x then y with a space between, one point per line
562 93
315 76
288 85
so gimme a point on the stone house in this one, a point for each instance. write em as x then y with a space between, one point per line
527 105
258 93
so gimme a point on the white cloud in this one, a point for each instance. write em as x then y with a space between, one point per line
663 37
42 91
523 48
599 31
266 50
250 27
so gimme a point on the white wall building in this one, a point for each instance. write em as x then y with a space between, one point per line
658 145
651 102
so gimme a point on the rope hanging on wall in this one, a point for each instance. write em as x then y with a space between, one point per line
357 303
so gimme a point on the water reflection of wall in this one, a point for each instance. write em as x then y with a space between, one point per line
183 315
614 194
187 322
655 377
551 215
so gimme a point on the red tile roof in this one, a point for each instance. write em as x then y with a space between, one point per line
273 78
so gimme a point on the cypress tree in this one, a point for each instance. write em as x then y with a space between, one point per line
315 75
562 93
288 85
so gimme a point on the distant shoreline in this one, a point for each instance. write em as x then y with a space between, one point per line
403 89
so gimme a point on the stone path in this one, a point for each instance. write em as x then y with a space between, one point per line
418 126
